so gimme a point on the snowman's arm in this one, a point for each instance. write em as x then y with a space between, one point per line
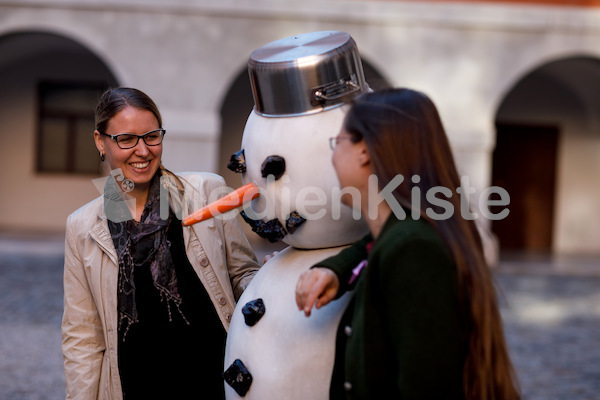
239 257
241 261
345 261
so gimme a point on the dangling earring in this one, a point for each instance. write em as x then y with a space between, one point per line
102 157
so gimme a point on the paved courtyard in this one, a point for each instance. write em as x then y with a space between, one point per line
551 310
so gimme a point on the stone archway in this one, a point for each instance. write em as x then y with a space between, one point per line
36 66
547 152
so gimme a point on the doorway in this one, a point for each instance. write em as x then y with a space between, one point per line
524 164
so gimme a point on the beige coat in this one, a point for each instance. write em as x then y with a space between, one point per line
217 249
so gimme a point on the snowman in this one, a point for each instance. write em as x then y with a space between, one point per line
300 85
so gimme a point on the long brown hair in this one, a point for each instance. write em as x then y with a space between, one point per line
404 135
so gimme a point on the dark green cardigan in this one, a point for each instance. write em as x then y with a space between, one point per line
406 336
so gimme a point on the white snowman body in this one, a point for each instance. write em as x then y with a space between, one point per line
288 355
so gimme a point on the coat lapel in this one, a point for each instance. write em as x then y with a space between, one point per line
101 235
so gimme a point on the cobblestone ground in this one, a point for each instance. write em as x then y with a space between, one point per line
30 314
552 325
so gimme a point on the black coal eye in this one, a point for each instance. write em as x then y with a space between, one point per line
237 162
273 165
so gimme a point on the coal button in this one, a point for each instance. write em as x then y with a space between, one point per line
238 377
253 311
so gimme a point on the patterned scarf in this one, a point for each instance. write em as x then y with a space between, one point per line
139 243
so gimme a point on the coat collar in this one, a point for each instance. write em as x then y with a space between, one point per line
100 233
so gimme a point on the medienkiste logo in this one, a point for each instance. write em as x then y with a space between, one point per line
315 203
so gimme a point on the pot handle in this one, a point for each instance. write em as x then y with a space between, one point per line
336 90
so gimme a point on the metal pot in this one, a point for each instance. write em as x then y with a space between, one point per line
305 74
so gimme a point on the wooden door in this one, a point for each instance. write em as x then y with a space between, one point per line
524 163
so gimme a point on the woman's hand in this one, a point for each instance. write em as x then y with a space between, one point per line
318 285
269 256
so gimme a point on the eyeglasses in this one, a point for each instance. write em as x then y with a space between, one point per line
333 141
129 140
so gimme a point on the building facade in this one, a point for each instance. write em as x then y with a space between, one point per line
517 85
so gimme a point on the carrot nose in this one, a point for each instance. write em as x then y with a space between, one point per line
227 203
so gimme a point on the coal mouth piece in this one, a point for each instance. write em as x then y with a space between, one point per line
273 230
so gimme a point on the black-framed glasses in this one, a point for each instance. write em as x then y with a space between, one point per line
333 141
129 140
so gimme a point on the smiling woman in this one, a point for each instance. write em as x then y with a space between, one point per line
146 300
122 117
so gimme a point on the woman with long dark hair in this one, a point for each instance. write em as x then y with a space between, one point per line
147 303
424 323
